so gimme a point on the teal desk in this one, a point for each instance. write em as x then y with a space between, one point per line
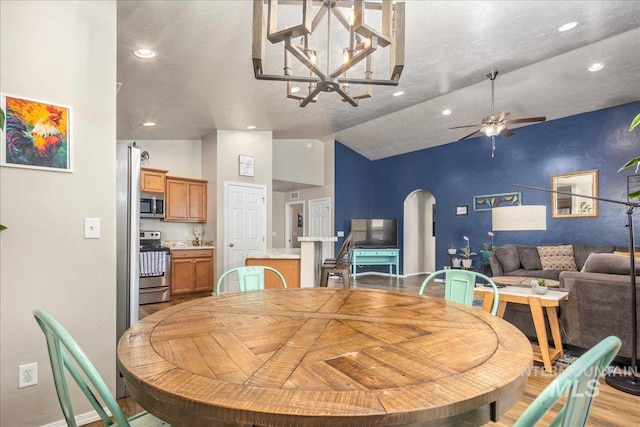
388 257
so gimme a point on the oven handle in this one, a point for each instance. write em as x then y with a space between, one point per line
156 289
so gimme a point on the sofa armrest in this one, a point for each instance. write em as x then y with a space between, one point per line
598 306
496 267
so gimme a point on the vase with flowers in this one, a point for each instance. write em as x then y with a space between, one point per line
487 248
466 254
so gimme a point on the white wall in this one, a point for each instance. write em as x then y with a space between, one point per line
182 158
325 189
62 52
228 146
307 166
277 222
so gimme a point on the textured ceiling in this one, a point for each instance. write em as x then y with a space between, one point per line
202 79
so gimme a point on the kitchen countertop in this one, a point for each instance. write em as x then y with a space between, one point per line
188 248
317 239
187 244
276 253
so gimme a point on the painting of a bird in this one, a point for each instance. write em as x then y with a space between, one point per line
37 134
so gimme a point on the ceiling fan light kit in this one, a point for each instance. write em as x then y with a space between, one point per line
361 43
495 124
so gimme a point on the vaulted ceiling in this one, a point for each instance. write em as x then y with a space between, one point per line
202 79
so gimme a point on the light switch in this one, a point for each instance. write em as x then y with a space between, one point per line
340 233
92 228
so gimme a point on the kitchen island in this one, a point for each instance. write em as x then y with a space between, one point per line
286 261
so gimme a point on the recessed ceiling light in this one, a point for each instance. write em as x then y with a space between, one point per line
295 89
149 124
399 93
596 66
251 127
567 27
447 112
145 53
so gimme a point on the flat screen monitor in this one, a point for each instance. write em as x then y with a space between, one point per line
375 233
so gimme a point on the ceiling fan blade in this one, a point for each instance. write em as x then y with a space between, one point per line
465 126
501 115
527 120
470 135
506 133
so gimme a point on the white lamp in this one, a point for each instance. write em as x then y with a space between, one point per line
519 218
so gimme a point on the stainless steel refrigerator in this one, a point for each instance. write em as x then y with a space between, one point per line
127 241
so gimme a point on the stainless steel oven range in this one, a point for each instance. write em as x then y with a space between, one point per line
155 268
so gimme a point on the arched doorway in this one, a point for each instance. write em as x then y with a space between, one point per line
419 247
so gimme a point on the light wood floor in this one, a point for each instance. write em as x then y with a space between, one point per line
611 407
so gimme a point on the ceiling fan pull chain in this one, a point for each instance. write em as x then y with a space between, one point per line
493 147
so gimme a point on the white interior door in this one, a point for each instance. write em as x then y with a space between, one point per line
320 223
245 225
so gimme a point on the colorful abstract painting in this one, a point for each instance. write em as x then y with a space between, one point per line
490 201
37 134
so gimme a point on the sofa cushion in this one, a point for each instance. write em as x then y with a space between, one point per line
557 257
609 264
508 257
529 257
582 252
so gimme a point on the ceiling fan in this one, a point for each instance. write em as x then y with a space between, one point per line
495 124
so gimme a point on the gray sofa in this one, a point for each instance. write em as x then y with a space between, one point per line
599 297
523 261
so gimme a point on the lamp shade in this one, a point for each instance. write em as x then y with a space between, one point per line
519 218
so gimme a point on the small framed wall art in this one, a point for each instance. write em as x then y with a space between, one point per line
461 210
37 134
490 201
246 165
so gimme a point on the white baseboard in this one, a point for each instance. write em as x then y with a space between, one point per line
81 419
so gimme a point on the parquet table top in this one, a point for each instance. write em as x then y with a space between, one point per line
324 357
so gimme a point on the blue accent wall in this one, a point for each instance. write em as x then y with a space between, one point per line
454 173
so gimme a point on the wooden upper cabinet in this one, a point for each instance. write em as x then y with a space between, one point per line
152 180
186 200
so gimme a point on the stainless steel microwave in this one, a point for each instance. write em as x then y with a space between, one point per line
151 205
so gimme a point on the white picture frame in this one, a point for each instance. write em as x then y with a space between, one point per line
246 165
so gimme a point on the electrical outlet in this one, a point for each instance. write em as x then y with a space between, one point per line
187 233
27 375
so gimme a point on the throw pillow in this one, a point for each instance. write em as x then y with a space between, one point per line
581 252
609 264
529 257
557 258
508 257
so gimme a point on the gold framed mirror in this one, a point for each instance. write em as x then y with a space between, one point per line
567 206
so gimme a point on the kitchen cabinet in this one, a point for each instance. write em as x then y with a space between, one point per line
152 180
191 271
288 267
186 200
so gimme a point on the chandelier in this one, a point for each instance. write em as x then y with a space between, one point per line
350 46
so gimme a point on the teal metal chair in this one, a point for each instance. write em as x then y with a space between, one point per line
66 356
250 278
459 286
578 382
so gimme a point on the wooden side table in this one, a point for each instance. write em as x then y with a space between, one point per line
550 301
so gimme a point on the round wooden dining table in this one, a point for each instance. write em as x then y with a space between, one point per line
324 357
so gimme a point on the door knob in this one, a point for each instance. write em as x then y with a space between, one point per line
230 245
